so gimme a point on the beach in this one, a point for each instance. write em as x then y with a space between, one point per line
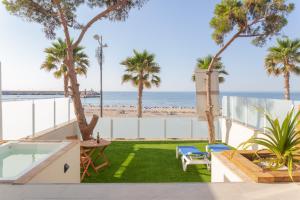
131 111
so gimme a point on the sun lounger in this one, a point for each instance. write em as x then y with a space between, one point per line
217 147
190 155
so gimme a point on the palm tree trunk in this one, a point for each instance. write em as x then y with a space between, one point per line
209 111
85 128
66 85
140 97
209 106
287 94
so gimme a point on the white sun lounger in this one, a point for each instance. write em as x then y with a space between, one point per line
190 155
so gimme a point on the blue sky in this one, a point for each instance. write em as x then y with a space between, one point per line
176 31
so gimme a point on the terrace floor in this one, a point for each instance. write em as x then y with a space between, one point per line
158 191
148 162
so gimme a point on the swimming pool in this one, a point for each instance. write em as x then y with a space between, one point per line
18 158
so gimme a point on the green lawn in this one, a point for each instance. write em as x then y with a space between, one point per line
148 162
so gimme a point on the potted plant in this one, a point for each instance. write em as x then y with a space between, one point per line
280 144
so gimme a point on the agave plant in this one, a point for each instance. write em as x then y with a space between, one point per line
282 141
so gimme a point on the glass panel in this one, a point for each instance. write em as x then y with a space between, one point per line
239 107
178 127
152 128
278 108
17 119
103 127
256 109
61 110
44 114
125 128
72 111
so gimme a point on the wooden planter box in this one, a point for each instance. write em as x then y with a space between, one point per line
255 172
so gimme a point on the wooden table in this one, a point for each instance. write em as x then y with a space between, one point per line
92 146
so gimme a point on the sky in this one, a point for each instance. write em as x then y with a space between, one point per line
176 31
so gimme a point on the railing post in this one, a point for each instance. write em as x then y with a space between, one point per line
231 108
111 128
192 128
165 129
54 113
138 128
246 111
264 114
33 119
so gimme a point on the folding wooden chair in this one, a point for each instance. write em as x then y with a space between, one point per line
85 163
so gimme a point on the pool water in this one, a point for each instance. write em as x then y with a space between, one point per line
18 158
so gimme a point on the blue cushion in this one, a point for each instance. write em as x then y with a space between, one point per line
190 150
217 147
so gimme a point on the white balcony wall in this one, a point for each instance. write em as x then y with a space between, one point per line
16 119
153 128
44 114
235 129
251 111
25 118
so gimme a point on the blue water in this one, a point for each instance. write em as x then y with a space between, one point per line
150 99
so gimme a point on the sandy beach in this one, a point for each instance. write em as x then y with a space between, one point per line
131 111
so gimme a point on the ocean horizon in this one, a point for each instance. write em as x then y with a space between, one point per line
151 99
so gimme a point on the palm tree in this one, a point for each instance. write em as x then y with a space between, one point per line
55 61
142 71
283 59
203 63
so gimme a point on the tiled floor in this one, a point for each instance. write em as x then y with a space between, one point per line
174 191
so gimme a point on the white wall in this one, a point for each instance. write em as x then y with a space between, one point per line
234 133
222 170
60 132
54 172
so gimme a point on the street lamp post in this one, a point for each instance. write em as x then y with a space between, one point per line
99 56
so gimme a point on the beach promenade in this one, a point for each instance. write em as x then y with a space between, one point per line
130 111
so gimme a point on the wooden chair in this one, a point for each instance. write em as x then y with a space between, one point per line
85 163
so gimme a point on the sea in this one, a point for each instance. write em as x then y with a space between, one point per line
152 99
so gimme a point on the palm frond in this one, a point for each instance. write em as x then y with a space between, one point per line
142 66
56 55
204 63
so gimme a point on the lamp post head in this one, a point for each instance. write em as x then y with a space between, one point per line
97 37
105 45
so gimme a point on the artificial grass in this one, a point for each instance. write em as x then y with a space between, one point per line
148 162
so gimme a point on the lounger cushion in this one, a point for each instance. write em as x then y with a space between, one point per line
217 147
190 150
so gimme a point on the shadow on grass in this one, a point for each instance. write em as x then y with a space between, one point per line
146 162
